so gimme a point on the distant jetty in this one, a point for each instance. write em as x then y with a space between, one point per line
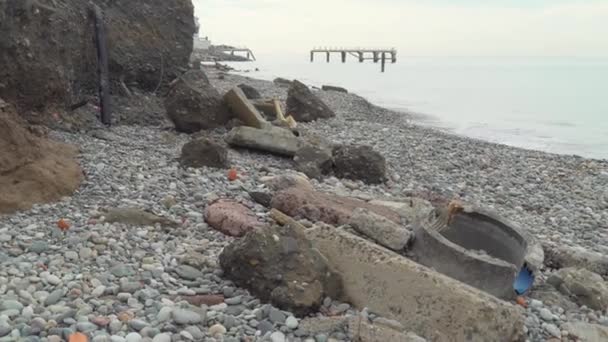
362 54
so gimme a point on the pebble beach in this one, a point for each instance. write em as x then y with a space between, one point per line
122 283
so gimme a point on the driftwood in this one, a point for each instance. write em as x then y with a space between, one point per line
102 66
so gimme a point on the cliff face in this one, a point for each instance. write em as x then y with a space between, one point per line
48 58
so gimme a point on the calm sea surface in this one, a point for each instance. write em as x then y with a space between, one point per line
558 105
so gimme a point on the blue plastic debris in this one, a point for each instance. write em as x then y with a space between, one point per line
524 280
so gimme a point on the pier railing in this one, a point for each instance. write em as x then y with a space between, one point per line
362 54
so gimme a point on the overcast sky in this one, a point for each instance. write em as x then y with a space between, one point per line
416 28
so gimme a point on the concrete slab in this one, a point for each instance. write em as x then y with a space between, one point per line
244 109
427 303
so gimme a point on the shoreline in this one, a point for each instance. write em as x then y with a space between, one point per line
561 200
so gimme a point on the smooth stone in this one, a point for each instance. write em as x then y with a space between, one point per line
277 316
86 327
277 336
133 337
164 337
291 322
184 317
217 330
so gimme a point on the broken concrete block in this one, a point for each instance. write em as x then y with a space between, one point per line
364 331
430 304
380 229
317 206
273 139
412 210
587 332
244 109
583 286
476 247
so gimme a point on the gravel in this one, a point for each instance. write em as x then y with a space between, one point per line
120 282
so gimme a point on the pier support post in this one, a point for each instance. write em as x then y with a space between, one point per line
383 60
328 57
343 57
375 57
360 57
394 57
312 56
103 70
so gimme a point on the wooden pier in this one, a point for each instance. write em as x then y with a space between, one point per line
376 55
235 50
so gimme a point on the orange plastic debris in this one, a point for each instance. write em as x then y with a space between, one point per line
63 225
521 301
78 337
232 175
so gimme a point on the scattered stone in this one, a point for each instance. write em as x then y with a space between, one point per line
380 229
585 287
192 107
39 247
261 197
231 218
265 260
282 82
217 330
208 300
272 139
136 217
204 152
291 322
186 317
313 161
133 337
278 336
359 162
188 272
165 337
304 106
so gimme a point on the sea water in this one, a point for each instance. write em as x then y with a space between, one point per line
557 105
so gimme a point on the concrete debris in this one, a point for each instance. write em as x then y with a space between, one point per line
396 287
305 106
244 110
583 286
204 152
274 140
380 229
359 162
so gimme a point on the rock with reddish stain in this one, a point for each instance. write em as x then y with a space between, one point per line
231 218
101 321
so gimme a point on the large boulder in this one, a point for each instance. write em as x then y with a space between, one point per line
313 161
359 162
305 106
316 206
278 264
250 92
48 54
33 169
231 218
204 152
583 286
193 104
